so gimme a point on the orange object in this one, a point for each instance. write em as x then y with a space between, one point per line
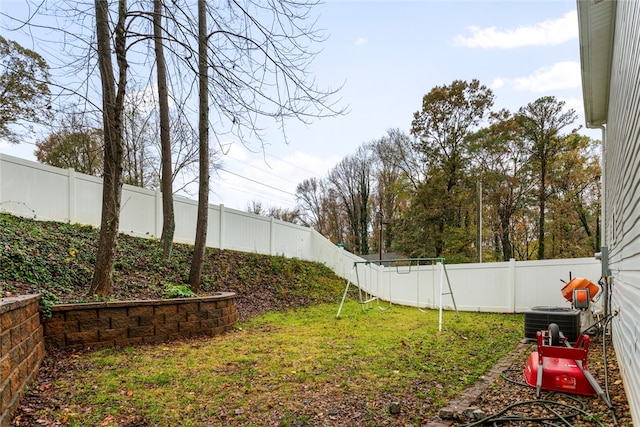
579 283
581 295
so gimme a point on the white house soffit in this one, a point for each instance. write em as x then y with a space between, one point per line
596 20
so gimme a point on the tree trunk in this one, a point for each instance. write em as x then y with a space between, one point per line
439 238
505 234
166 178
203 128
112 106
542 206
507 248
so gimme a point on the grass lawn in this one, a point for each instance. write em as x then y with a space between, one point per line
296 368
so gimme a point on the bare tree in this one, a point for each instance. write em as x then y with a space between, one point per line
166 176
397 172
139 134
203 131
309 195
112 108
352 180
288 215
401 152
253 60
258 56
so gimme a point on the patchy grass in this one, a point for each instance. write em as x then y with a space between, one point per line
289 363
295 368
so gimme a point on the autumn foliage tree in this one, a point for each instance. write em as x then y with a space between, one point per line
428 185
448 116
24 89
501 165
80 150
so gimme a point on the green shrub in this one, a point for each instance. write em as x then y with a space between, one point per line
177 291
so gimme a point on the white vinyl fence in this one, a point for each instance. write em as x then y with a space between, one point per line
30 189
513 286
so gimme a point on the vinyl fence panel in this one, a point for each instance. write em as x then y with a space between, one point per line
43 192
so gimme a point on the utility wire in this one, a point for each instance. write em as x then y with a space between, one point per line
255 193
314 174
269 172
257 182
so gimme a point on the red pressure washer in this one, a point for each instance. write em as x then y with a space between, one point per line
557 366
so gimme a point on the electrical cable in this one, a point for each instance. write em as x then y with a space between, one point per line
257 182
549 405
313 174
606 320
606 364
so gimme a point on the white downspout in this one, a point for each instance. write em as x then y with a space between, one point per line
603 228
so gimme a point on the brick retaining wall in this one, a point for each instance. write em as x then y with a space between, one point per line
122 323
21 350
23 335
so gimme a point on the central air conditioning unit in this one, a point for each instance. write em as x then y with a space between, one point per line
538 319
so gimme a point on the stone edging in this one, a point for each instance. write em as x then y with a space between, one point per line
458 408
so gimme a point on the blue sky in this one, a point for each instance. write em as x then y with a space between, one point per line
389 54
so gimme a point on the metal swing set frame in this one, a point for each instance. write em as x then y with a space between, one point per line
367 297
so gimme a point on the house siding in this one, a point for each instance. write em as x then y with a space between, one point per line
622 195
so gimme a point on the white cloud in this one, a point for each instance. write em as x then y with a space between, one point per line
23 150
233 150
497 83
575 104
361 41
563 75
550 32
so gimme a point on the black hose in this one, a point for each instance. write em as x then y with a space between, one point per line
606 365
550 405
504 376
605 319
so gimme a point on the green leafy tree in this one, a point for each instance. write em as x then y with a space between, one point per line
541 122
24 88
574 205
449 115
502 163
